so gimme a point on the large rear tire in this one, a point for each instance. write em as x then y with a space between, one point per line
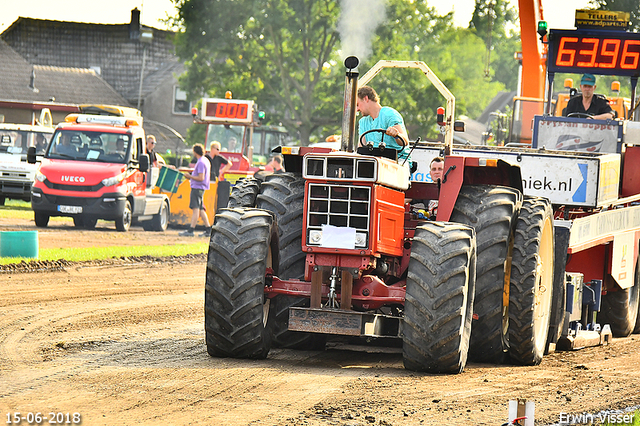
244 193
243 244
491 211
619 308
283 195
439 298
531 289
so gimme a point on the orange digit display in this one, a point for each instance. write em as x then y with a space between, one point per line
227 111
606 52
630 57
598 52
589 53
566 56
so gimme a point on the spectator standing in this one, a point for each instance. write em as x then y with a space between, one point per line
199 180
155 159
217 161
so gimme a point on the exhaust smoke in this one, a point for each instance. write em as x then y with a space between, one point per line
357 25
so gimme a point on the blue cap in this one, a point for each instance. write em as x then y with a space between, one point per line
588 80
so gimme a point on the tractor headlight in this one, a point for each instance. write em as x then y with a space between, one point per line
361 239
315 237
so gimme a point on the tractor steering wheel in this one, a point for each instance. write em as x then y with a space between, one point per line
579 115
384 132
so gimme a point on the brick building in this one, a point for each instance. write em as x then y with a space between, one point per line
117 55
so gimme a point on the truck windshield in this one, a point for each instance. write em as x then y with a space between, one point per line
230 137
17 141
90 146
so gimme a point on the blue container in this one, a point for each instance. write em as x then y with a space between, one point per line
19 244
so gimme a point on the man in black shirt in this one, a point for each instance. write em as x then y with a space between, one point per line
217 160
588 105
155 159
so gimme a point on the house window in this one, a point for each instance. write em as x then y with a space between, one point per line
180 103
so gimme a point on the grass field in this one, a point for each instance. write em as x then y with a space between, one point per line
18 209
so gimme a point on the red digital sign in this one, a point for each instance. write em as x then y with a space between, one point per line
610 52
227 110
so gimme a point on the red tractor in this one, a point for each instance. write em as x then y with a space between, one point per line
333 248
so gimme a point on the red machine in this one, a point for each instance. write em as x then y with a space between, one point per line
528 246
95 167
244 140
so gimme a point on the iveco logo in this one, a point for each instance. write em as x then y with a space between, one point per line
73 178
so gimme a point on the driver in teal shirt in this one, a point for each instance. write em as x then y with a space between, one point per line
375 116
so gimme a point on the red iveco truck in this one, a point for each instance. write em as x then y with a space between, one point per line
96 167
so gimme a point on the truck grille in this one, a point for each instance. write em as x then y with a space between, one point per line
338 205
80 188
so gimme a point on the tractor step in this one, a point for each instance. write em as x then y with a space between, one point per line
343 322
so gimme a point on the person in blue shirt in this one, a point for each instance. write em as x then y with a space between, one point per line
375 116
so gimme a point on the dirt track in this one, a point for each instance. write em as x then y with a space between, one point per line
123 343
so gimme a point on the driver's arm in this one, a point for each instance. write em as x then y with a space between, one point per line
397 130
603 116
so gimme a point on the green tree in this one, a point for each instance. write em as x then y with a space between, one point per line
631 6
276 52
494 22
286 55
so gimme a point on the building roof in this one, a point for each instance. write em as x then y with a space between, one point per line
14 75
23 82
115 52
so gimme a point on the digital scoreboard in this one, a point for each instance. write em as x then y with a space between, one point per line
595 52
228 111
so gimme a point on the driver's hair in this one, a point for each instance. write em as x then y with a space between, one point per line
436 160
369 93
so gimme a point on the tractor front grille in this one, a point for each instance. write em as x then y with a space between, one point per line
341 206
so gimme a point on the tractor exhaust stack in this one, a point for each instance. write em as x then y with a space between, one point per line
350 104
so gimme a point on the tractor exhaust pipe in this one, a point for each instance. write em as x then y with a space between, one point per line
350 104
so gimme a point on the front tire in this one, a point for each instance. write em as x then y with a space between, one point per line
439 298
531 289
123 223
41 219
283 194
491 211
243 245
78 221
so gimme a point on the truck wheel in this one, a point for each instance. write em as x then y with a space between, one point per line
90 222
244 244
160 221
123 223
491 211
244 193
619 308
439 299
78 221
531 289
2 201
283 195
41 219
